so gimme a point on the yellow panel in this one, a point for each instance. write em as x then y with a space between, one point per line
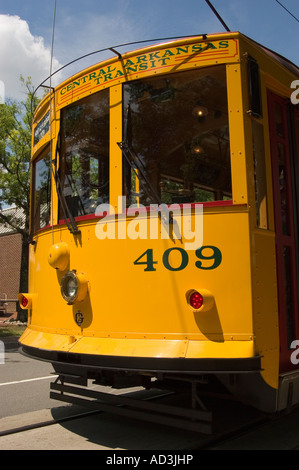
236 126
265 308
130 347
137 347
128 302
41 340
225 349
115 152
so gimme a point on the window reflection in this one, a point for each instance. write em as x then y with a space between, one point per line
260 177
41 192
278 120
178 127
84 170
288 293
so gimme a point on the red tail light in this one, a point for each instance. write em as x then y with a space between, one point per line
196 300
24 301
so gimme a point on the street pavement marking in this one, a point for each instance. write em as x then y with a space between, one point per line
28 380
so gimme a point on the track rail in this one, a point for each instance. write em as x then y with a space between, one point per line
46 423
86 414
201 442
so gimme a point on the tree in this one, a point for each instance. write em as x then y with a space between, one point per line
15 150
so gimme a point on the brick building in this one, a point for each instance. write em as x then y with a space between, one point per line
10 260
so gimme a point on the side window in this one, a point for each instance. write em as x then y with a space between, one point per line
260 178
177 126
84 154
41 196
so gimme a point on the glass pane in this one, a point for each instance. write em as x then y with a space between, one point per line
177 126
288 293
278 120
41 193
84 166
283 189
260 174
297 130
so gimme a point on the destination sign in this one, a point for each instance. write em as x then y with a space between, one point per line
163 60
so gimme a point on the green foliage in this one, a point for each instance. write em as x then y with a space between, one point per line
15 150
13 330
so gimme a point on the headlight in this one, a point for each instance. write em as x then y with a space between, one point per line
74 287
59 256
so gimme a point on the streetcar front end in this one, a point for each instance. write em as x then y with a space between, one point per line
141 256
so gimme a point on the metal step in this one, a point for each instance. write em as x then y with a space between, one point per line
175 416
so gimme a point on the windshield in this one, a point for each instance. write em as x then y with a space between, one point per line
84 154
177 125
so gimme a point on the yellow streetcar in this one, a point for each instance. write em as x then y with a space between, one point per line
164 224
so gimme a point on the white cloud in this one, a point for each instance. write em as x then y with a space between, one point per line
21 53
76 36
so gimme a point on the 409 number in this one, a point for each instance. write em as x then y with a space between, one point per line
209 257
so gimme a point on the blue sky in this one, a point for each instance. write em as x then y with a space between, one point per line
83 26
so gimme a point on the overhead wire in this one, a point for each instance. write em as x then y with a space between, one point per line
52 112
288 11
52 41
113 49
217 15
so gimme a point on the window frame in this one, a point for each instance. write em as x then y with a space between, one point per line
78 218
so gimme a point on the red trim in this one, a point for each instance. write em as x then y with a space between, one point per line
219 203
81 218
42 229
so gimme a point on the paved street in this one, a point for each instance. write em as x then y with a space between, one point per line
24 401
24 384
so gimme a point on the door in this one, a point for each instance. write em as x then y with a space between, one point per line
285 195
